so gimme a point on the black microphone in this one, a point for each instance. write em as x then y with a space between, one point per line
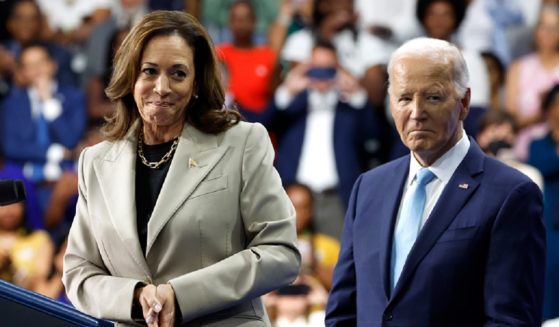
11 191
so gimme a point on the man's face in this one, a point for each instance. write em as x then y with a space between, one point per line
242 22
427 111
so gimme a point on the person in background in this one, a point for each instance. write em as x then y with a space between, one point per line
441 19
530 76
181 217
252 69
445 236
323 122
496 137
544 155
26 26
42 123
293 16
497 74
300 304
319 252
25 256
100 48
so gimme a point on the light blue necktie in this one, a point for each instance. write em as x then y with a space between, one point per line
409 223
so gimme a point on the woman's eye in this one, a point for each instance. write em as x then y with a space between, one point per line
149 71
179 74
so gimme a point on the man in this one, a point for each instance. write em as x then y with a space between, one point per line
42 123
323 122
468 248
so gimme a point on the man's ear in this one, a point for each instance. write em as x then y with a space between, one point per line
465 104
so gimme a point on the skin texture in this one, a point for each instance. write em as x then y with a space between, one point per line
164 87
427 111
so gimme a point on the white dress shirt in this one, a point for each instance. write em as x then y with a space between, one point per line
443 169
317 165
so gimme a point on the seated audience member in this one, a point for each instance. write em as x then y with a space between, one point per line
319 252
293 15
101 46
43 122
251 67
34 217
300 304
323 121
25 256
544 155
26 26
52 285
214 15
440 20
497 73
98 104
71 22
496 137
532 75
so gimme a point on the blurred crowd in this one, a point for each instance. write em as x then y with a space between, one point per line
313 72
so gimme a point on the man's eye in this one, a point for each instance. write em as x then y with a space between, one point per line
434 98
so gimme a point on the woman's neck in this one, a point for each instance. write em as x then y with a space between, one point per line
158 134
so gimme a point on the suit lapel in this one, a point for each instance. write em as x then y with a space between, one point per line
390 209
197 153
455 195
116 173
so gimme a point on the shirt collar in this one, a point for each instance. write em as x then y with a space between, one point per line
445 166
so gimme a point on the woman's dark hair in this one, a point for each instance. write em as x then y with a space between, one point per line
205 112
459 7
498 63
497 117
549 98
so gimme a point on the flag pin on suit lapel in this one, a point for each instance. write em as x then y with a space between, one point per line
463 186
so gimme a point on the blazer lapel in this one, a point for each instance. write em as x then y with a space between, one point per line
455 195
197 153
116 173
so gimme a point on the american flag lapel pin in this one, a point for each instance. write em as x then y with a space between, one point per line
463 186
192 163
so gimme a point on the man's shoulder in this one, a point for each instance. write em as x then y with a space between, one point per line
500 174
389 169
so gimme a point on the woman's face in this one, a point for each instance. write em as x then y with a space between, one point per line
166 81
547 31
439 20
11 216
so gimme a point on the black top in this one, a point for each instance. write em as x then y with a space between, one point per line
148 185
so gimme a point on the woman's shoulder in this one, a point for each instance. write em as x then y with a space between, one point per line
245 129
100 150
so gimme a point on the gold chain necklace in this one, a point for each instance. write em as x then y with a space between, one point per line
166 157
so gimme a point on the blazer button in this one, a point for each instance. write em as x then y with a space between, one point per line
387 316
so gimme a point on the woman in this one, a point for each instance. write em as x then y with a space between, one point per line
532 75
181 215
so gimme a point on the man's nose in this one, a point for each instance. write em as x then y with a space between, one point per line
417 109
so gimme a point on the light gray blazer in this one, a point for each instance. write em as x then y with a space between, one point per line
222 232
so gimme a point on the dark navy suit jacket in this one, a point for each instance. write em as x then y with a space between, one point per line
353 128
18 131
478 261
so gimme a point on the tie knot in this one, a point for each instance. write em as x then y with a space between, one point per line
424 176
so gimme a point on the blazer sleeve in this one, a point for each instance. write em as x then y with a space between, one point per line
270 259
341 307
89 285
515 268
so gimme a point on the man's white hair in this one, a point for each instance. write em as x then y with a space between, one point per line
438 51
